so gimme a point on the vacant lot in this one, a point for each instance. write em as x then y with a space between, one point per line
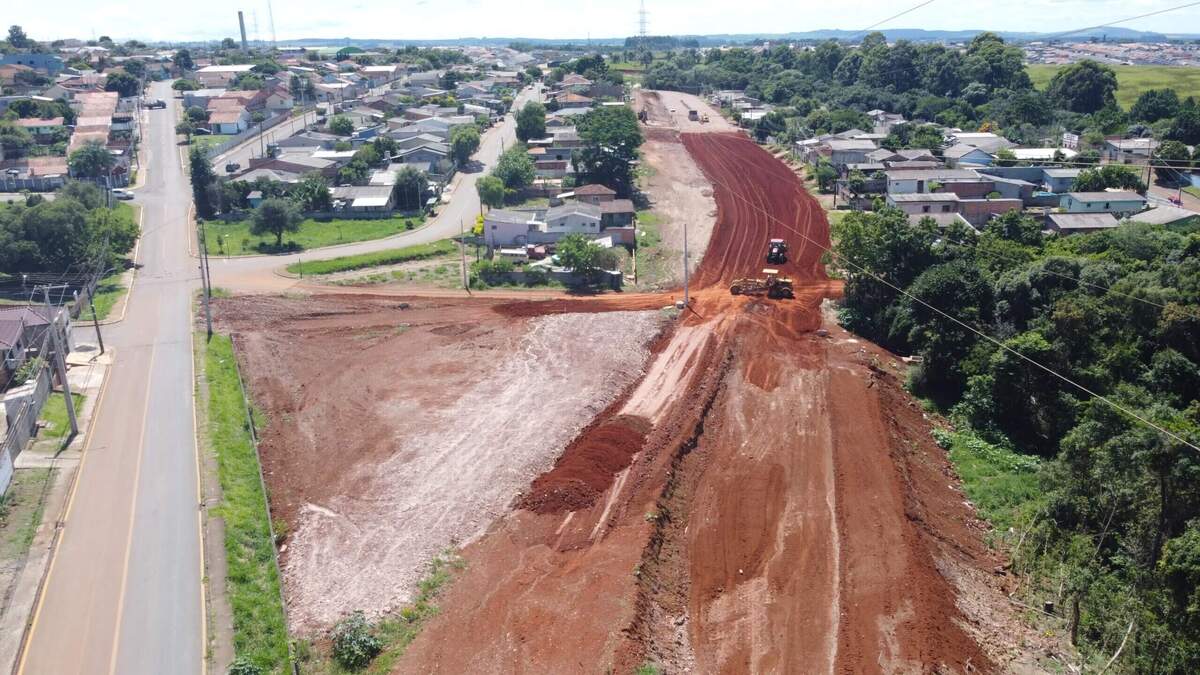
430 421
235 238
1133 80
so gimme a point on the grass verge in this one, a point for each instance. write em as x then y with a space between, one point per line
652 265
54 414
1001 483
1193 191
21 511
234 238
393 256
205 142
1133 80
259 626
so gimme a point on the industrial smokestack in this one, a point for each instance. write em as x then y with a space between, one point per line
242 26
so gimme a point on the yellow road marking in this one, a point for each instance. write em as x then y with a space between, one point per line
137 473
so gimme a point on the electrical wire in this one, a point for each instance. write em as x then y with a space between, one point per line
894 16
828 249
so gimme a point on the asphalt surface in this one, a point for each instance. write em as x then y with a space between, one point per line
256 145
123 592
257 273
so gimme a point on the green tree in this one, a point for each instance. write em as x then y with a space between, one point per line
515 168
825 175
341 125
582 256
203 180
491 191
531 122
1173 159
17 38
15 141
185 85
312 193
228 43
464 141
123 83
1185 128
1153 105
411 188
185 128
197 114
1005 157
611 139
183 60
1083 87
276 216
93 160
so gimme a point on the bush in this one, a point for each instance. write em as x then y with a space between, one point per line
243 666
536 276
353 643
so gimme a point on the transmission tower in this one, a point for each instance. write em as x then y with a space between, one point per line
642 20
271 20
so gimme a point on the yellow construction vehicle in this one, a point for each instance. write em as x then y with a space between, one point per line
773 286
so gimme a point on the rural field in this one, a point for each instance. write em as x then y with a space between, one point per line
1133 80
614 487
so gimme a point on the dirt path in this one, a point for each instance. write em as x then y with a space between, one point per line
772 519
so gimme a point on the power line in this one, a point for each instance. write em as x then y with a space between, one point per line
1053 36
973 329
894 16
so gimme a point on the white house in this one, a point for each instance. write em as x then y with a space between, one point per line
221 75
507 228
573 218
229 120
1116 203
917 181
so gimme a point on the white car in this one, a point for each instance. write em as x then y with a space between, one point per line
122 194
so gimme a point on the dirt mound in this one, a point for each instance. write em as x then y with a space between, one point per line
587 467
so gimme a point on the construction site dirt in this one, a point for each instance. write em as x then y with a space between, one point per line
732 493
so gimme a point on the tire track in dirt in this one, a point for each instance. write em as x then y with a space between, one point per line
768 510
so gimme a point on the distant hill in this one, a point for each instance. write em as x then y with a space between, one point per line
912 34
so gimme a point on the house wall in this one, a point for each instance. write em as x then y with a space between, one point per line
574 223
969 189
1116 207
843 157
502 233
978 211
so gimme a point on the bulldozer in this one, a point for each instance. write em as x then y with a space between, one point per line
777 251
772 285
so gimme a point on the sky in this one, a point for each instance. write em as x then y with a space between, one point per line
574 19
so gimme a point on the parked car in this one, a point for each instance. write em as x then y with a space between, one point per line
122 194
157 103
232 166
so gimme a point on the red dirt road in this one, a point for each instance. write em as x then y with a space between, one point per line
785 511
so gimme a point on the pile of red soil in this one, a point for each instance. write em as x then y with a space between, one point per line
587 467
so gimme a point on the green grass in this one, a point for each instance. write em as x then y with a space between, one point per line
1193 191
652 265
1001 483
259 628
54 414
1133 80
204 142
648 669
627 65
21 511
392 256
235 239
110 289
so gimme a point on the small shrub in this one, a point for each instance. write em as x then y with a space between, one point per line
353 643
243 666
408 224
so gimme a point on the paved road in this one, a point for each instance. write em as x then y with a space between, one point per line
255 145
256 273
123 593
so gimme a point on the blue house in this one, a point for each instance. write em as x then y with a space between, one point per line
47 62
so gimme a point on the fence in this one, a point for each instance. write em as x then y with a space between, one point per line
254 130
52 182
22 407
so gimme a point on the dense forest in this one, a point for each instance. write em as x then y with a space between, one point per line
985 86
1111 515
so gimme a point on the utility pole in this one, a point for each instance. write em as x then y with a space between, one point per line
96 322
205 289
60 359
462 248
686 300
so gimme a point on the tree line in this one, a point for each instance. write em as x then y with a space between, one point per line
827 88
1113 515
